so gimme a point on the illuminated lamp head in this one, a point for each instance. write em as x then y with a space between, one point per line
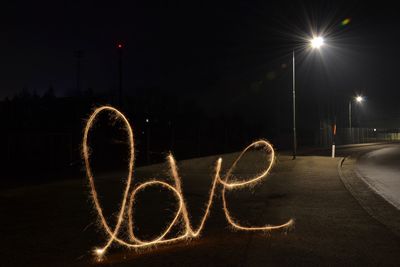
317 42
359 99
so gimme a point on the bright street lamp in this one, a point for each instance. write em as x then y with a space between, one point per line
315 43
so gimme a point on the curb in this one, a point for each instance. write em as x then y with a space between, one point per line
374 204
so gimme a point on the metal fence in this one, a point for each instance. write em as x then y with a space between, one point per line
357 135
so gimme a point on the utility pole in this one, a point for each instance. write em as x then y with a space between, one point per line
120 47
78 55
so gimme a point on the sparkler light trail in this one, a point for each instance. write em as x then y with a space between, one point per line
181 217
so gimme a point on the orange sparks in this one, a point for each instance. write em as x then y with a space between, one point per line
181 214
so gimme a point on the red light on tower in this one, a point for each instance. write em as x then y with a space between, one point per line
119 52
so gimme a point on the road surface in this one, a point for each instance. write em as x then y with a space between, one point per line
380 169
54 224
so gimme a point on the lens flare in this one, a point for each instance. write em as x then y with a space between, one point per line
181 218
346 21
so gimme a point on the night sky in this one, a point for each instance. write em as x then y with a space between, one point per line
225 56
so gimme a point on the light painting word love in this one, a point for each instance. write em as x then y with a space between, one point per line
181 217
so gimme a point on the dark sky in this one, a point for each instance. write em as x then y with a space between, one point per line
214 52
40 37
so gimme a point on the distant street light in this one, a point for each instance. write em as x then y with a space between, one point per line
148 136
358 99
316 42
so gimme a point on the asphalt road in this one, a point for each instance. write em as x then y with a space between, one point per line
55 224
380 168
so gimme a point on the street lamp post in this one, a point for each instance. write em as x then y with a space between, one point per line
358 99
294 109
315 43
350 115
